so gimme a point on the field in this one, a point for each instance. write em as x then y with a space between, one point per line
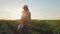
39 27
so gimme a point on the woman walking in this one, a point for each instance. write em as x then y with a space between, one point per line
25 21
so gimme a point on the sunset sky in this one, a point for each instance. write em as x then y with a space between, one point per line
40 9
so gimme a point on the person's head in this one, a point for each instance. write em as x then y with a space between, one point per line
25 7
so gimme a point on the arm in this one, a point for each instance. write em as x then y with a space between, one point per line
30 21
22 18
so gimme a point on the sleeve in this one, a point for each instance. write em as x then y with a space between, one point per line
29 20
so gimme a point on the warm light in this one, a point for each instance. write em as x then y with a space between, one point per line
18 14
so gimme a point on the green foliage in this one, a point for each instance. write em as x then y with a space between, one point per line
7 26
39 26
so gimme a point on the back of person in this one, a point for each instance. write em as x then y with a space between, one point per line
25 15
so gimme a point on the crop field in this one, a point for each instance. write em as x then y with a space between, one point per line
38 27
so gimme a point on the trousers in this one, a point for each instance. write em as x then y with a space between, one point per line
25 29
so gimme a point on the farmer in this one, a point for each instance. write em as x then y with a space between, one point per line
25 21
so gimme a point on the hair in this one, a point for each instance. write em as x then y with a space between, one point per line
25 7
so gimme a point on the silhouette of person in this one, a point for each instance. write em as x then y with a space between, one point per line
25 21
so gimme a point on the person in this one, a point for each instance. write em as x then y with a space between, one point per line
26 23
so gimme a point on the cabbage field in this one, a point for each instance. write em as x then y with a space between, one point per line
38 27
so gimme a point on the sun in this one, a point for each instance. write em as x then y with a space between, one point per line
18 15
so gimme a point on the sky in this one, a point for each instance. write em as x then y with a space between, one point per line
40 9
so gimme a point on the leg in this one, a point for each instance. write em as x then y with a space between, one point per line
27 31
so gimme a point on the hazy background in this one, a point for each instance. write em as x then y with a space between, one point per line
40 9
